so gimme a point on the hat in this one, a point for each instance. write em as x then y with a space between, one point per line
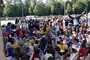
39 39
70 37
43 36
73 32
57 56
35 45
8 44
74 35
37 59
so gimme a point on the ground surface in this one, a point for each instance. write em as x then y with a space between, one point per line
2 56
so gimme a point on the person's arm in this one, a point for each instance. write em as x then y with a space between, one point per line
69 15
7 54
31 56
75 56
81 14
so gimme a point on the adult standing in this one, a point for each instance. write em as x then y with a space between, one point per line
83 52
17 20
76 21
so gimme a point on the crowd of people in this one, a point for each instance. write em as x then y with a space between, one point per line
47 39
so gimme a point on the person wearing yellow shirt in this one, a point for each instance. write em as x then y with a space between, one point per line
27 42
61 46
33 40
42 30
15 45
62 51
47 28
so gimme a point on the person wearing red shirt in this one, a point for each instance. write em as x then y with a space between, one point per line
36 54
83 52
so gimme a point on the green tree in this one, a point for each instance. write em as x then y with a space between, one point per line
33 3
52 9
6 10
88 6
26 7
60 1
73 7
30 10
83 1
56 8
26 10
47 10
39 9
69 9
79 7
1 2
18 10
1 11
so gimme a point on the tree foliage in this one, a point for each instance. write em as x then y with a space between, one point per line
37 7
69 8
6 10
30 10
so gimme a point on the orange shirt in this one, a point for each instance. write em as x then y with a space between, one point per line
41 30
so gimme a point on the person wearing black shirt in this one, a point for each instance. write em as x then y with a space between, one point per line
17 20
75 21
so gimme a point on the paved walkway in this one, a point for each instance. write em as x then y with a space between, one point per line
2 56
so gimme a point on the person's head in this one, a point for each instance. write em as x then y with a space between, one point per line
37 59
58 42
57 49
48 50
24 57
36 42
8 44
83 45
50 58
57 59
49 42
50 46
84 41
74 16
35 46
36 51
8 24
42 40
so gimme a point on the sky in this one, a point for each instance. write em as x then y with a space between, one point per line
44 1
24 0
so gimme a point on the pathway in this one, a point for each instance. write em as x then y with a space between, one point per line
2 56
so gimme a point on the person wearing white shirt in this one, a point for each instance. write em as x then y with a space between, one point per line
57 29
